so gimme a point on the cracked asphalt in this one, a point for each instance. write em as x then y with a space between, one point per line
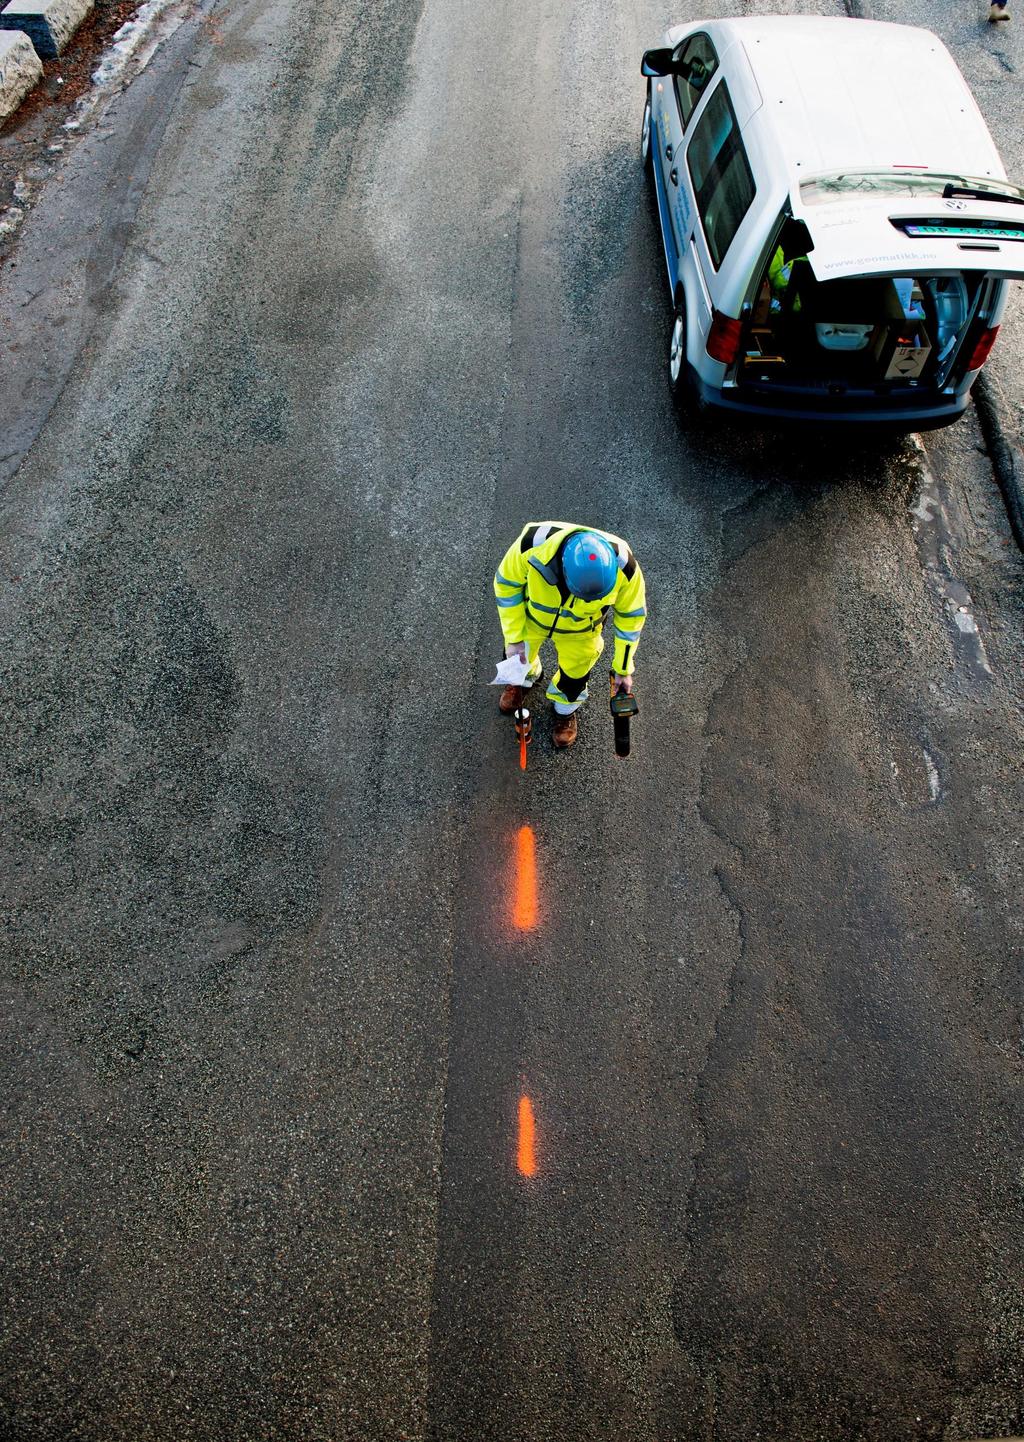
345 297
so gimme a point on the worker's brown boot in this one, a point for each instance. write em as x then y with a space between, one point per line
564 733
509 698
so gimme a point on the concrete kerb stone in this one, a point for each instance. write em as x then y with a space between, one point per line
49 24
20 70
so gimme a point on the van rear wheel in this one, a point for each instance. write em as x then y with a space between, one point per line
678 378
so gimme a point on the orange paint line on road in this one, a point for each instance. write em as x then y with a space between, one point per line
524 910
527 1152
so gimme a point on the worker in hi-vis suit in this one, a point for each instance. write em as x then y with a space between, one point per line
560 583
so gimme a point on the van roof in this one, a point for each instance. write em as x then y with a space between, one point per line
860 94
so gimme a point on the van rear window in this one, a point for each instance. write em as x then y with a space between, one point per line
840 185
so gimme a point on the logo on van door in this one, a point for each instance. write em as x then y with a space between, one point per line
956 204
682 210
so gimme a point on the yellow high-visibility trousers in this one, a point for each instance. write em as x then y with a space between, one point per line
577 655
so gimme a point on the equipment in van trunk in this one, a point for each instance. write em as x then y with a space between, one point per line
836 248
856 330
901 345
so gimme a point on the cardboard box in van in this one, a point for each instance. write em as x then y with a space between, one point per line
907 357
902 345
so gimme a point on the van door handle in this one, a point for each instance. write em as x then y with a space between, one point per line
668 152
674 176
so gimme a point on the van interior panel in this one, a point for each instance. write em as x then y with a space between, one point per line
871 332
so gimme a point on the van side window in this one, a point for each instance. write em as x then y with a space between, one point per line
695 62
720 172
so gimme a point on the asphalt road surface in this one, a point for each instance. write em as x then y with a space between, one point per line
329 304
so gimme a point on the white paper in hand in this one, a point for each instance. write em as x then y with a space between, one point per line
511 672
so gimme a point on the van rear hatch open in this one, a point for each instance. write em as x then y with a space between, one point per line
865 224
883 283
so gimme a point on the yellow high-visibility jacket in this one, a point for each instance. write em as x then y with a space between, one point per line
529 589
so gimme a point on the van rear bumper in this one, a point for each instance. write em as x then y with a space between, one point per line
781 404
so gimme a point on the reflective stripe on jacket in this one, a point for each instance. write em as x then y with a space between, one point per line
529 586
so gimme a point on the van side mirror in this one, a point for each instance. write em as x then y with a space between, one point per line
656 62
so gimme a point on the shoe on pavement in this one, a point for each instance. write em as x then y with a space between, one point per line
997 12
509 698
564 733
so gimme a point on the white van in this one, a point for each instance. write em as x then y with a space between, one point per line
837 224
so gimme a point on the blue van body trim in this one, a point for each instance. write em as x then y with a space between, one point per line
663 216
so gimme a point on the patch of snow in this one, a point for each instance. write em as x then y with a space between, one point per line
135 44
970 630
965 622
934 784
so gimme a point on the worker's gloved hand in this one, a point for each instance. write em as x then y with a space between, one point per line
516 649
621 683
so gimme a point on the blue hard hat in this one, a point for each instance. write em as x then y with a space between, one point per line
589 565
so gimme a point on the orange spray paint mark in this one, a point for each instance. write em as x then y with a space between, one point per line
524 912
527 1153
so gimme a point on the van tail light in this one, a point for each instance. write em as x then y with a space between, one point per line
984 343
724 338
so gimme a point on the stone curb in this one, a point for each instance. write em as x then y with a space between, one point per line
49 24
20 70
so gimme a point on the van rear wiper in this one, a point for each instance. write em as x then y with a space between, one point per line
976 193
